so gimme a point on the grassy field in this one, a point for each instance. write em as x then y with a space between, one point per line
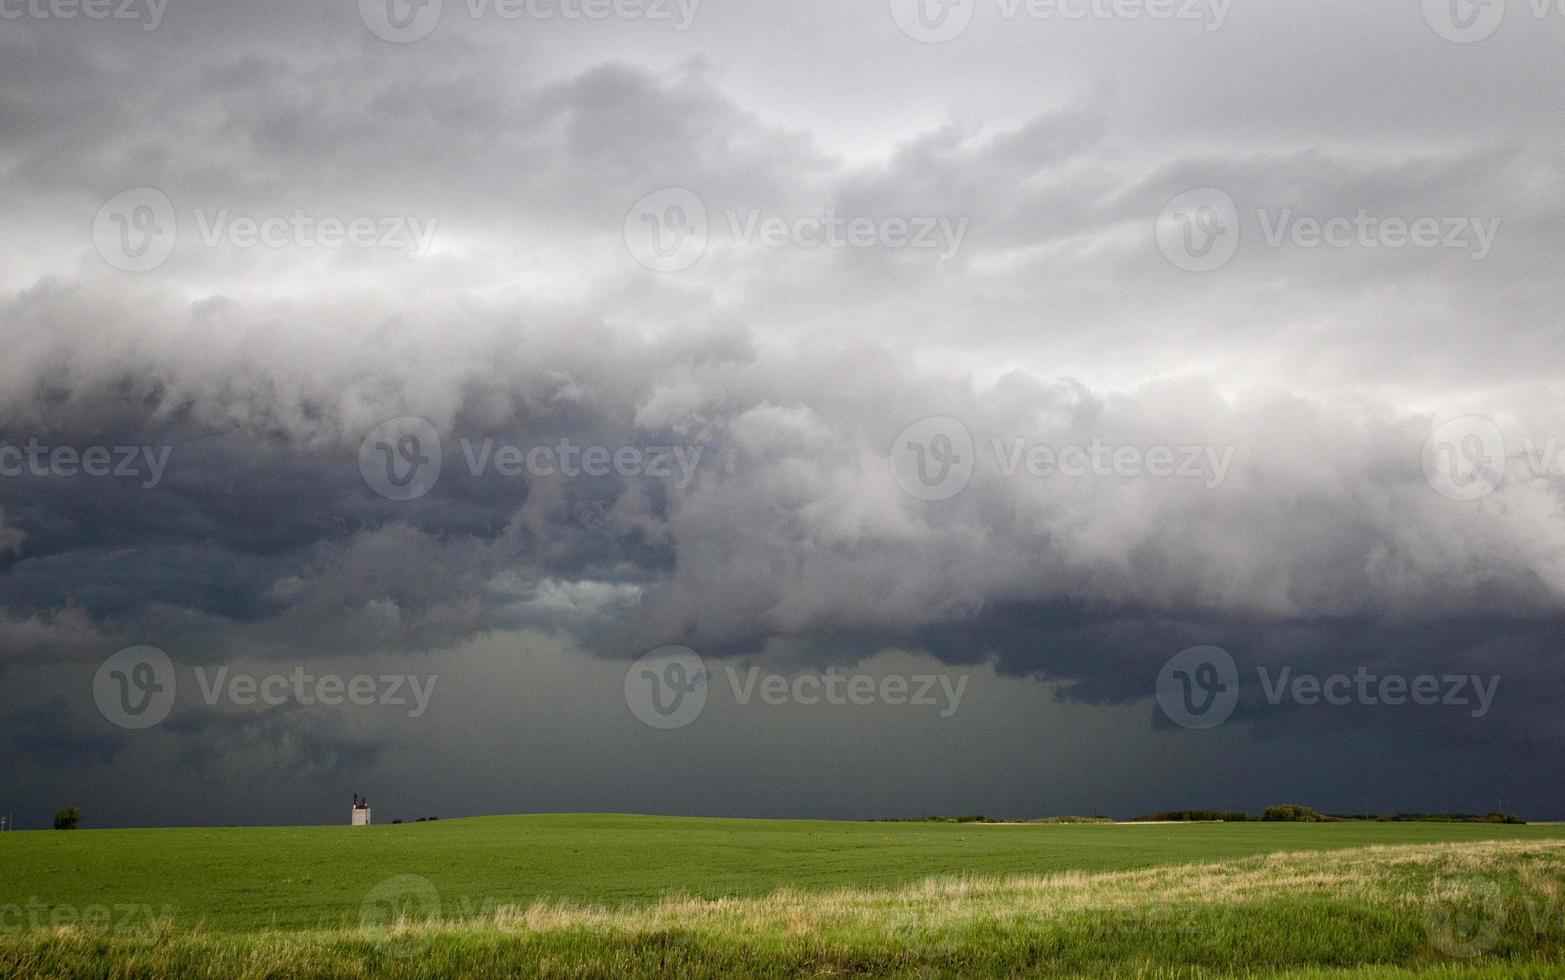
639 896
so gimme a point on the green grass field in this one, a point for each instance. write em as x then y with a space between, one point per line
645 896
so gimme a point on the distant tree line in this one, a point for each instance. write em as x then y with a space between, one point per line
1293 813
1281 813
980 818
1193 816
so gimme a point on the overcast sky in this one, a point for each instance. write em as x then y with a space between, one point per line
1155 403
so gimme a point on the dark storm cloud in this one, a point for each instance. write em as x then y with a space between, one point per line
795 529
51 735
284 740
1313 377
249 536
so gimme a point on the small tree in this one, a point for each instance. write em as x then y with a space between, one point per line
1293 813
67 819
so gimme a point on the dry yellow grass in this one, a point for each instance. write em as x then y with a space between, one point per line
1370 875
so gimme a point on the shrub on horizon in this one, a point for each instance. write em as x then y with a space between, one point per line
1293 813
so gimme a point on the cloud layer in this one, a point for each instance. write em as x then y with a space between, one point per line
1297 391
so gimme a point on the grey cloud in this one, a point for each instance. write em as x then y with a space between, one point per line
1057 322
285 741
51 735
